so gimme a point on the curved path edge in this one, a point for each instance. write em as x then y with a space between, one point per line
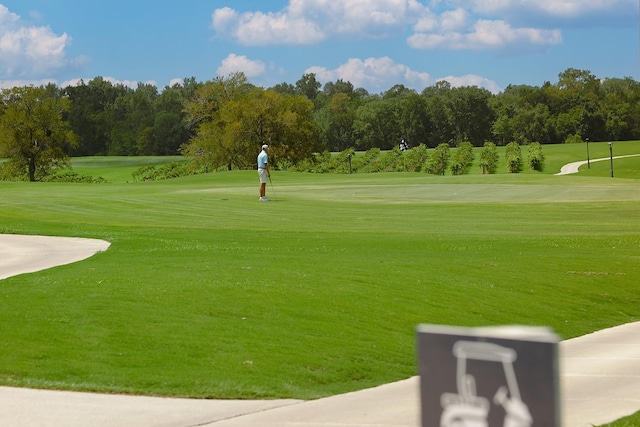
574 167
599 379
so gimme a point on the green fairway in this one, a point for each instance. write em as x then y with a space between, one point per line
117 168
206 292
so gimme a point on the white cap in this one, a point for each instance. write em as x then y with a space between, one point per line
265 146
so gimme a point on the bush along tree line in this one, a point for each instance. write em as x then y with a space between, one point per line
443 158
221 123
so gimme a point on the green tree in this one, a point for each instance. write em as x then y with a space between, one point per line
489 158
440 126
235 127
470 114
575 102
621 108
513 157
522 115
90 115
308 86
203 118
207 100
33 132
284 89
438 162
413 121
170 129
415 158
335 121
535 156
462 159
340 86
376 124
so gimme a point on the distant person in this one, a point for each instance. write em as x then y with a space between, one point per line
263 172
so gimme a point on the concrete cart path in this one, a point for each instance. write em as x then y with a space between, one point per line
570 168
600 381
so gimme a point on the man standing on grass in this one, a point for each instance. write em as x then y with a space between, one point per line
263 172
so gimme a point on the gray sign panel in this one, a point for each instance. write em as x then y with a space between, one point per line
488 377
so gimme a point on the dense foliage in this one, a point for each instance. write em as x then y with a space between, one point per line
221 123
33 134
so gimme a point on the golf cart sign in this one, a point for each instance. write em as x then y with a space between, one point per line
488 377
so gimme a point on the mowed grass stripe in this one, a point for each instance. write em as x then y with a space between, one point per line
205 292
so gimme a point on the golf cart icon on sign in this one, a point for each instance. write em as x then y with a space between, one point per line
466 408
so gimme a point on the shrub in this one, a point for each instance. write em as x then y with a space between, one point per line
489 158
437 163
415 158
391 161
513 156
167 171
368 162
343 162
535 156
462 159
71 176
318 163
573 139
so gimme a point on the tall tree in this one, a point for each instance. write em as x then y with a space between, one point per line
471 115
441 125
204 119
33 133
376 125
235 128
133 121
578 93
335 120
91 114
413 120
340 86
308 86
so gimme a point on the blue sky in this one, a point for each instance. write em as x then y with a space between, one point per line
372 43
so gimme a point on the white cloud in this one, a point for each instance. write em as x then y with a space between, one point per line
10 84
312 21
446 24
374 74
257 28
380 74
452 20
30 50
240 63
555 8
473 80
485 34
224 20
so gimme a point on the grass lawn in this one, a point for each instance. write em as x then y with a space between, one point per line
630 421
206 292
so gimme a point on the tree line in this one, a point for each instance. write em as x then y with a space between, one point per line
221 122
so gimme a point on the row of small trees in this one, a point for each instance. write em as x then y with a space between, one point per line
421 159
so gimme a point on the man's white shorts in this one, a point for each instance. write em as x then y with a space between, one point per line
263 176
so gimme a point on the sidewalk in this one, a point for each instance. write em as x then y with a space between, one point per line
574 167
600 382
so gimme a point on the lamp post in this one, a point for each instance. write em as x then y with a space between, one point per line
611 157
588 160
